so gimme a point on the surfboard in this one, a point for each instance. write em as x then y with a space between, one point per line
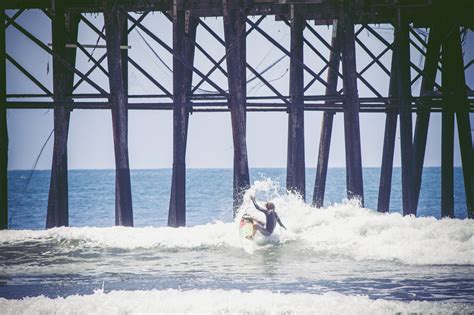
247 233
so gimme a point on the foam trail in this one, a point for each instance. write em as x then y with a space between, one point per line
221 302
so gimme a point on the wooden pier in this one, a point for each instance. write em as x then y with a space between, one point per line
444 21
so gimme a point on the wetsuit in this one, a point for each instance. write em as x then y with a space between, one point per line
272 219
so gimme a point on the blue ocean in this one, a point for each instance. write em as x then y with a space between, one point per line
342 258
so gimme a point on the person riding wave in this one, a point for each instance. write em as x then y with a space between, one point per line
272 218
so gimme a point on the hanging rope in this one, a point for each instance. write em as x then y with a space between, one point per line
30 176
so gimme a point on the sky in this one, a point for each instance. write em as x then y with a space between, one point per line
90 144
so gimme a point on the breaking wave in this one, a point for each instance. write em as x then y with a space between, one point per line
344 229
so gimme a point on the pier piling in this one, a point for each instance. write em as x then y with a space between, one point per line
391 117
404 95
328 117
354 181
64 30
423 113
295 176
177 210
235 46
184 35
115 20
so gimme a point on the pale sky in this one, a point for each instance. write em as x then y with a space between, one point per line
210 138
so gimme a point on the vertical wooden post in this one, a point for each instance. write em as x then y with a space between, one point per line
328 117
177 209
404 94
235 41
3 129
184 35
423 113
447 152
391 117
191 24
64 29
455 96
295 176
355 188
114 18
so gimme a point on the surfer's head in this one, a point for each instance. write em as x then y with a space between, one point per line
270 205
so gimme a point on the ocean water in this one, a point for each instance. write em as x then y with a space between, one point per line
338 259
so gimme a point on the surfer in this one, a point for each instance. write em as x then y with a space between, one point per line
272 218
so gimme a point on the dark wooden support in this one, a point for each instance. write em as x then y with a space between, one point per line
115 19
184 35
402 52
64 28
295 170
385 186
3 129
354 181
235 44
328 117
191 24
177 210
455 99
423 113
447 152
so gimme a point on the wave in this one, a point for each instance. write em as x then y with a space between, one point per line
344 229
221 302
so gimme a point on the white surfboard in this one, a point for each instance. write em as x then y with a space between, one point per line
247 233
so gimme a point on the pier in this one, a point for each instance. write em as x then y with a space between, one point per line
446 24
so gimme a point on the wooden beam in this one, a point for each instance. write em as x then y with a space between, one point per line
423 114
328 116
385 185
235 44
355 187
295 171
455 95
115 24
3 129
447 152
184 35
402 52
189 48
64 28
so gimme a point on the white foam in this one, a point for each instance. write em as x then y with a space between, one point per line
343 229
215 234
221 302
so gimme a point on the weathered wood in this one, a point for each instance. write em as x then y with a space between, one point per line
447 152
177 208
114 19
404 93
183 39
455 96
385 185
295 170
423 113
328 117
64 28
235 44
354 181
3 130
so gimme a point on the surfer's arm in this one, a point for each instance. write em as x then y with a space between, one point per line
280 223
257 206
